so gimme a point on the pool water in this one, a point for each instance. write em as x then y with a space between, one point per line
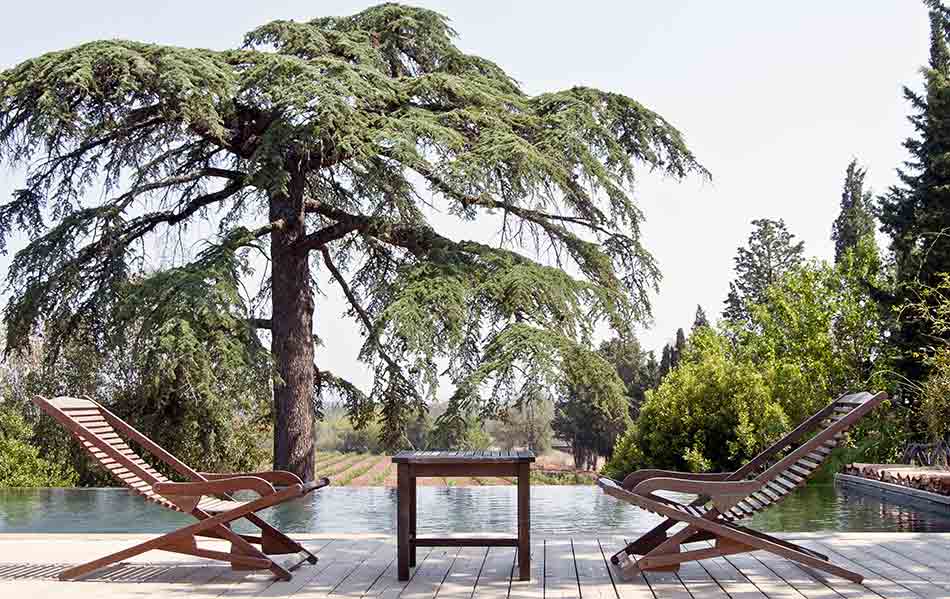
554 510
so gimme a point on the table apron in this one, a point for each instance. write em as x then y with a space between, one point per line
464 542
483 469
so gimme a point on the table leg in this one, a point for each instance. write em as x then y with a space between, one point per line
402 521
524 521
412 521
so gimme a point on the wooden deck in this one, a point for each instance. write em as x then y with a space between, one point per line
899 565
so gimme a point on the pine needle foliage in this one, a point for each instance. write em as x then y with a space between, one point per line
330 137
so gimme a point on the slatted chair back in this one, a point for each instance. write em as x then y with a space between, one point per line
781 476
105 437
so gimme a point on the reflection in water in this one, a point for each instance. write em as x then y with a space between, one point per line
554 510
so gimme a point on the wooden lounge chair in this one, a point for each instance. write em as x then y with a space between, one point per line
206 496
723 499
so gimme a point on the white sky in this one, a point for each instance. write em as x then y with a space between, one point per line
774 99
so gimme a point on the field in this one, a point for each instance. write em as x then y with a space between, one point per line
374 470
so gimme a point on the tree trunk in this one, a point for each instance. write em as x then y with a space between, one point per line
292 337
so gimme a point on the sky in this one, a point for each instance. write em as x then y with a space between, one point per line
774 100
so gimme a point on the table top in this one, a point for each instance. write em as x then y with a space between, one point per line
464 457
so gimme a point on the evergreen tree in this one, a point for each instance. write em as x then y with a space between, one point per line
916 213
592 409
700 320
666 362
771 252
633 366
679 348
311 144
651 371
856 219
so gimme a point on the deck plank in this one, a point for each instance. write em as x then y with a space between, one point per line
808 582
592 575
430 574
388 585
463 572
878 560
495 578
734 582
882 585
902 566
696 578
529 589
560 573
764 580
627 587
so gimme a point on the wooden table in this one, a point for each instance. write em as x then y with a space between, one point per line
413 464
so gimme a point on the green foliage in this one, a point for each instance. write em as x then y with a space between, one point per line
636 368
713 412
916 213
592 410
336 432
855 221
471 435
818 333
627 456
932 309
527 425
771 252
20 462
935 399
188 390
321 132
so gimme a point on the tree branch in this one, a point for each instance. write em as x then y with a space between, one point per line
364 317
259 323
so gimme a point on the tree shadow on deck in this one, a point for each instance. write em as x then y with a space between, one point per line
123 573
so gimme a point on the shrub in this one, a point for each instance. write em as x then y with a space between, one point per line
20 462
935 398
712 412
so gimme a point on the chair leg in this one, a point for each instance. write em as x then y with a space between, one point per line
645 543
268 531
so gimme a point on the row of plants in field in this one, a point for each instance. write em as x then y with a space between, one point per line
346 468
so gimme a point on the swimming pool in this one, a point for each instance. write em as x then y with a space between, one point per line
554 510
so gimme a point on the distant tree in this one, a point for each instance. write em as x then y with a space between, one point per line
651 371
633 366
916 213
679 348
592 409
771 252
666 362
526 425
315 144
712 413
855 220
700 320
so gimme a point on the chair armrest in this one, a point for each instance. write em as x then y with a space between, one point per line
634 478
274 477
724 494
220 486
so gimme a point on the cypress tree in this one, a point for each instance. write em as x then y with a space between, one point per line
915 214
312 144
855 221
678 348
666 362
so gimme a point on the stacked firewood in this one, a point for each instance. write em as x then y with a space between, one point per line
925 479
